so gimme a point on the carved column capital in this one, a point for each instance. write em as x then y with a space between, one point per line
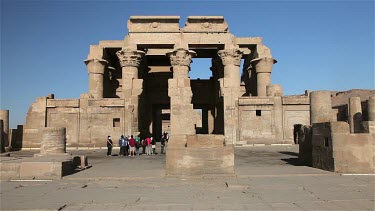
181 57
129 57
263 65
96 65
231 56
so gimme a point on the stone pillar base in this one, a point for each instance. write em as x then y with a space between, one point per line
199 155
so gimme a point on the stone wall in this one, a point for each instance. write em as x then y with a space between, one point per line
88 122
335 149
266 120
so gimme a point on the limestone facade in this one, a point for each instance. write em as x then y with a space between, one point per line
133 82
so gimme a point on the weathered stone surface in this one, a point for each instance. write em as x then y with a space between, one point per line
368 126
305 144
205 141
371 108
152 24
355 114
274 90
212 24
45 167
4 115
54 141
52 103
200 161
321 107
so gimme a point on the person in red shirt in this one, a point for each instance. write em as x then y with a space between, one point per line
132 145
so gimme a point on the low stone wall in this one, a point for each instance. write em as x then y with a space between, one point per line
354 153
36 168
334 148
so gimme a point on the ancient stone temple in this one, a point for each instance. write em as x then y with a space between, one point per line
141 86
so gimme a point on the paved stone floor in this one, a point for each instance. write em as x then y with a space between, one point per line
267 178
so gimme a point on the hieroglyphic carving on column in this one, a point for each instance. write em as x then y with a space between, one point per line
181 57
231 56
129 57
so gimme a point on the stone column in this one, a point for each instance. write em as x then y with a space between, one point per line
371 108
230 89
4 115
132 87
320 107
355 114
263 67
217 73
179 90
95 68
369 126
53 141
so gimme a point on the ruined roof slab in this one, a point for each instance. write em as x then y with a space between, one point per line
153 24
206 24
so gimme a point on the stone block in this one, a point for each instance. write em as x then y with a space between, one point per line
9 170
261 101
274 90
177 141
137 83
339 127
74 103
114 102
45 169
173 92
96 52
172 83
127 93
200 161
137 92
127 83
354 153
205 141
183 82
152 24
208 24
368 126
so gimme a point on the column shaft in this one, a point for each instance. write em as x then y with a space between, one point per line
371 109
263 80
95 68
355 114
4 115
320 107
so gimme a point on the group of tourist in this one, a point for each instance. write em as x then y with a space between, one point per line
130 146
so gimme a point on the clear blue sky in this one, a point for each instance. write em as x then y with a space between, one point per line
318 44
